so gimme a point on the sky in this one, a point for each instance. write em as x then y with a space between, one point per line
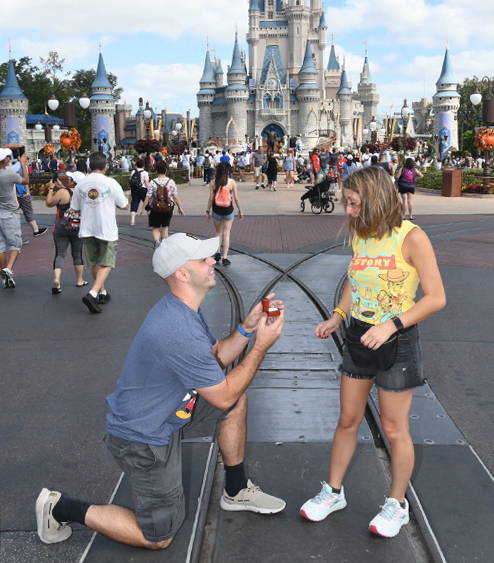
156 48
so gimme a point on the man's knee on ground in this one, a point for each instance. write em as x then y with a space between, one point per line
155 546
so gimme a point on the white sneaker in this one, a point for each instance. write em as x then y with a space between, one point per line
389 521
252 499
49 530
323 504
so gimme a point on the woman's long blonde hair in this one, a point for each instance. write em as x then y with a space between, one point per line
380 210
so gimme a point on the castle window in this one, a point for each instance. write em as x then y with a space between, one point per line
270 15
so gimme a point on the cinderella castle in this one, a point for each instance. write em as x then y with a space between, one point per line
288 90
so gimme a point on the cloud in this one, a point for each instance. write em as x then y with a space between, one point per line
71 48
167 18
417 22
171 86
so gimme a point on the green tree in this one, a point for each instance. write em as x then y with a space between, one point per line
470 116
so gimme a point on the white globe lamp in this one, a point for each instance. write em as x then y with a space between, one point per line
53 103
84 102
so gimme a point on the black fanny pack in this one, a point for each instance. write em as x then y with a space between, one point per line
381 359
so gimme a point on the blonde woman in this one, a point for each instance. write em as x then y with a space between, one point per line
391 257
222 193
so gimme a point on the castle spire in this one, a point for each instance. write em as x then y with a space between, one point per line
208 75
344 85
11 88
237 66
333 63
365 74
101 80
308 66
447 74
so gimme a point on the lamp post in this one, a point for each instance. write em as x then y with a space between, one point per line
53 105
405 116
178 128
147 113
487 119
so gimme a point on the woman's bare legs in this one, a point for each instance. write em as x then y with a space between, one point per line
353 400
227 227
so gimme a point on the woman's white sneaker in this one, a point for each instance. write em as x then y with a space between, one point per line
323 504
389 521
49 530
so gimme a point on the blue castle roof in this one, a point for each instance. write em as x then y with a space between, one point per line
322 22
447 74
333 63
272 52
12 88
101 80
344 85
237 66
208 75
308 66
254 5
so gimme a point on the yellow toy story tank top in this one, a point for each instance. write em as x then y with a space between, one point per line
383 284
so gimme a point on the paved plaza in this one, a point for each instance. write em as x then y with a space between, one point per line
59 363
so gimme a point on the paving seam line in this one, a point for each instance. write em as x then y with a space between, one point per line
93 537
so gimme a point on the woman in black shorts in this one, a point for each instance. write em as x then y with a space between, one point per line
391 257
160 222
405 179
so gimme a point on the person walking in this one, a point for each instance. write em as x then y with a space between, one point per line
222 194
241 164
65 230
97 197
139 185
349 167
173 379
259 162
162 197
10 223
272 171
391 257
289 168
406 178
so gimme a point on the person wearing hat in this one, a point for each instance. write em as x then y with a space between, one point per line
349 167
173 376
66 228
10 222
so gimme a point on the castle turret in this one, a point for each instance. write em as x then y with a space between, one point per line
345 100
446 102
13 110
102 110
205 98
368 94
332 76
308 96
253 35
298 15
237 95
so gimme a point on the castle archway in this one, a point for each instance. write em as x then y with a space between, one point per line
272 135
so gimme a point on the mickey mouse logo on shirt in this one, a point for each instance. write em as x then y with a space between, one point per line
186 411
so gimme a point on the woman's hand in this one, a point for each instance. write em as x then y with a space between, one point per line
241 215
181 211
326 328
376 336
208 214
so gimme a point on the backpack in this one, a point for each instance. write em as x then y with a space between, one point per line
223 196
136 181
207 163
161 202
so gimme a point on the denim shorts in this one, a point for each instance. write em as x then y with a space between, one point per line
406 373
228 217
155 477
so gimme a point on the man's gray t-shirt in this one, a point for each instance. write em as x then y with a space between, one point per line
170 357
8 198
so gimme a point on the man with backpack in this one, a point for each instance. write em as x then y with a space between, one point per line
208 168
139 185
161 197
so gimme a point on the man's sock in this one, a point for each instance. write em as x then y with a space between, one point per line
235 479
102 292
70 510
93 293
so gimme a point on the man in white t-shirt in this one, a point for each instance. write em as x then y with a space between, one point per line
97 198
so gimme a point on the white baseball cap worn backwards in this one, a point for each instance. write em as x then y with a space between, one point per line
176 250
4 153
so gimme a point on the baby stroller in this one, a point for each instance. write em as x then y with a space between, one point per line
321 197
303 175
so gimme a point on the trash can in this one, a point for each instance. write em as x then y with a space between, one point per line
452 179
